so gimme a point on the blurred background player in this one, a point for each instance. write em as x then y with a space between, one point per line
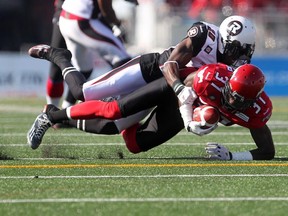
91 27
55 83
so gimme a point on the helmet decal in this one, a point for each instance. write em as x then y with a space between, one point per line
237 39
234 28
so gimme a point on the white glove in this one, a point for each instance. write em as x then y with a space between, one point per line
118 31
186 111
195 127
187 96
241 61
217 151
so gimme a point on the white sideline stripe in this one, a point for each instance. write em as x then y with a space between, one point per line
160 199
145 176
123 144
180 133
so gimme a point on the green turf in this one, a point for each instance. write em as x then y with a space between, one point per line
75 173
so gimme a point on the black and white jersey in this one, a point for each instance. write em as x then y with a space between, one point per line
87 9
204 38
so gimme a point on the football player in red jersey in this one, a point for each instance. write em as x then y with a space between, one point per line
240 99
214 84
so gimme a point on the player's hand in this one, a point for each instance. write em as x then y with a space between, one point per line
187 96
119 31
197 128
243 59
217 151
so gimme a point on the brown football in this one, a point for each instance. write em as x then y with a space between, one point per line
206 113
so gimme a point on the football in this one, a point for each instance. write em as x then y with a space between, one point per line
207 114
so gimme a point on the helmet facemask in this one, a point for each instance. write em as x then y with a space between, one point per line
239 54
234 101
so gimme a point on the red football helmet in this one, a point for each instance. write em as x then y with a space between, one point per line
244 87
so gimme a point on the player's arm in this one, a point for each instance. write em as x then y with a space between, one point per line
111 18
263 140
179 57
108 12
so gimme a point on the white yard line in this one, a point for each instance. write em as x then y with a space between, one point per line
122 144
160 199
145 176
83 134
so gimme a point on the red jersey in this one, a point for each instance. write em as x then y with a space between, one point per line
208 83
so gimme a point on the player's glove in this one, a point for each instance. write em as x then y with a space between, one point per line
186 111
187 96
119 31
243 59
197 128
217 151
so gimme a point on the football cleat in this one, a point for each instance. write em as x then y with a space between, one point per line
49 53
41 124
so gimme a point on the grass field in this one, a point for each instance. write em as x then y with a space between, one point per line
75 173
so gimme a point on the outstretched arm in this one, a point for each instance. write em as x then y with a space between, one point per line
111 18
263 140
108 12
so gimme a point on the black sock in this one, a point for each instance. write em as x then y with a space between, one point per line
70 97
75 81
96 126
58 116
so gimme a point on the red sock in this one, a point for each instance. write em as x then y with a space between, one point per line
54 89
129 136
95 109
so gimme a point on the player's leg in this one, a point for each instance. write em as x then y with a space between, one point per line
81 58
69 98
149 96
96 126
100 38
84 39
119 81
142 99
62 58
106 126
55 83
162 124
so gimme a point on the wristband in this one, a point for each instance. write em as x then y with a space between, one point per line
174 62
178 87
241 156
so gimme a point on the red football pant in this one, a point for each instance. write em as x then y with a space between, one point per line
95 109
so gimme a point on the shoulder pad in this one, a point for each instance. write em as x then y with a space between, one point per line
198 30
